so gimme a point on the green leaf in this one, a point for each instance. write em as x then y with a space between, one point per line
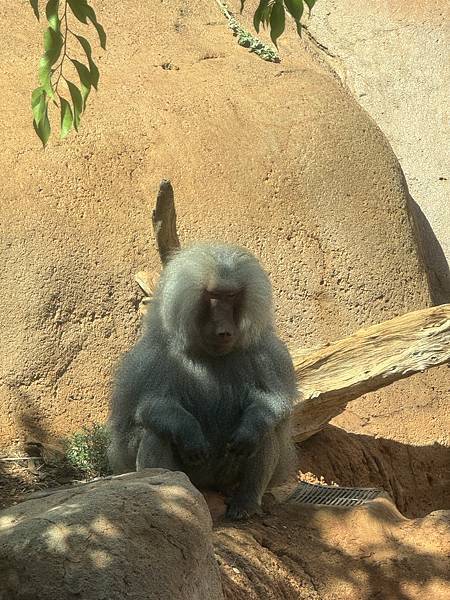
35 95
38 104
43 127
45 75
66 117
53 43
259 14
266 16
310 4
95 75
295 8
78 7
85 80
85 45
242 6
83 11
277 21
35 7
51 12
77 102
90 12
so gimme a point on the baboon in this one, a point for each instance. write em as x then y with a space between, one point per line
208 387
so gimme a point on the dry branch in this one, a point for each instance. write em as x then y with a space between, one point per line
164 221
366 361
19 458
147 282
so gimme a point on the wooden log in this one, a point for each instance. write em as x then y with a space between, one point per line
147 282
371 358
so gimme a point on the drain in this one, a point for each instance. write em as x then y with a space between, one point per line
309 493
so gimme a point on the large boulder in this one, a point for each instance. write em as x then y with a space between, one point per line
277 157
392 55
144 536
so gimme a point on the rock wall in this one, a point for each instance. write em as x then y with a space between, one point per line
393 56
277 157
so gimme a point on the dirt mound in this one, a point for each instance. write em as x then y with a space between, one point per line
415 476
307 552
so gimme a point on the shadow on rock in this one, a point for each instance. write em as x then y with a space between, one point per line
335 553
433 256
140 535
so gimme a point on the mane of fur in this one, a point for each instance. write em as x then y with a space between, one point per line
208 266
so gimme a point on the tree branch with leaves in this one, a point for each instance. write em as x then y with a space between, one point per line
55 87
71 98
272 14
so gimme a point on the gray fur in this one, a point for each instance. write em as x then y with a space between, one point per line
223 420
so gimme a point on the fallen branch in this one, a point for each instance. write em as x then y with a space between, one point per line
20 458
164 221
368 360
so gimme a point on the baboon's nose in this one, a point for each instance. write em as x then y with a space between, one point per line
224 334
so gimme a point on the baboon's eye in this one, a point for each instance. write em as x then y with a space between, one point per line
226 295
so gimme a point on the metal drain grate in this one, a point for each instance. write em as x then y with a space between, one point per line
308 493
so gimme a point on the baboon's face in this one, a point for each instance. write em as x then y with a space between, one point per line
218 320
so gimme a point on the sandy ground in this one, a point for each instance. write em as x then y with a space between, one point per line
298 551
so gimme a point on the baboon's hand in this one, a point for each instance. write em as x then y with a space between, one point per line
243 443
193 447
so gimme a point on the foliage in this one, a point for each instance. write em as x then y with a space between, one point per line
86 451
54 62
272 14
246 39
52 66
